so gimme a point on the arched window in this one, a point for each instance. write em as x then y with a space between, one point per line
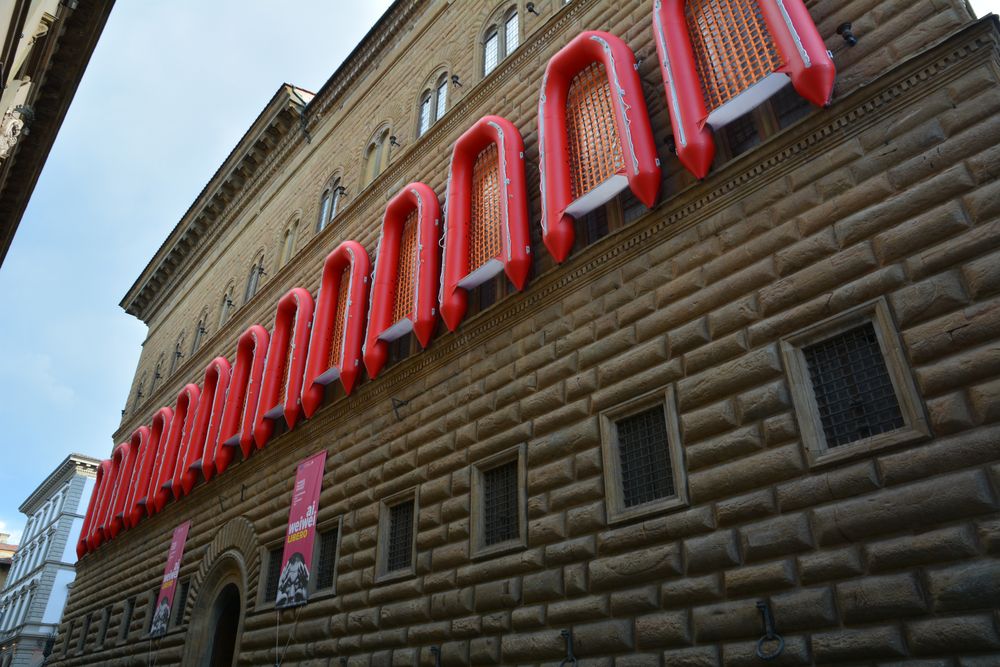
288 242
433 104
226 307
178 354
501 38
329 203
253 278
200 330
377 155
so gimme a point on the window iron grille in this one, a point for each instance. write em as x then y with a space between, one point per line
486 220
181 601
406 272
643 455
339 320
400 542
500 507
325 570
853 390
273 572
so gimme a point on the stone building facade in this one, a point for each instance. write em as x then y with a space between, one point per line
872 225
43 568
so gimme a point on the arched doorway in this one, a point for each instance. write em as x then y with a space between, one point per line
217 616
224 626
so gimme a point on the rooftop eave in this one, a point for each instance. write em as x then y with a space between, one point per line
280 116
45 490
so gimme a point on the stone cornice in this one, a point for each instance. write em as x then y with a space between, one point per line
70 465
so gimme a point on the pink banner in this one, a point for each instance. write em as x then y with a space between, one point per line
296 562
165 600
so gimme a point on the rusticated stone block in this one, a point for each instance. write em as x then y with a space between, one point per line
587 608
913 506
528 618
936 546
706 422
663 630
880 598
955 634
498 595
757 578
686 591
753 505
603 637
484 651
716 551
726 620
570 551
729 378
830 564
635 601
985 399
783 535
754 471
858 644
543 586
949 413
575 579
634 568
405 613
932 297
530 646
724 447
804 609
740 654
845 482
970 585
703 656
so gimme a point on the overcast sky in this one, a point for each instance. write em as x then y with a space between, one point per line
171 88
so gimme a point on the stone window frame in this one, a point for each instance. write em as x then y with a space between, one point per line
105 626
150 612
228 304
287 240
915 425
331 200
431 96
125 624
200 331
257 272
377 154
81 646
322 527
477 547
381 550
617 511
496 26
178 614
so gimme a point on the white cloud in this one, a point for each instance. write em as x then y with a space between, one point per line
14 530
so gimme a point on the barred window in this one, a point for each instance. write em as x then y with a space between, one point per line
643 459
853 390
69 638
181 601
151 614
84 631
399 545
273 571
326 568
642 453
500 520
105 622
126 619
499 509
851 386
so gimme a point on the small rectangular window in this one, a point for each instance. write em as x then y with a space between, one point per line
69 638
126 619
396 533
643 458
180 602
850 385
105 622
84 631
273 572
499 513
326 567
400 537
151 614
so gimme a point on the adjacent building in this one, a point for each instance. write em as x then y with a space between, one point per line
7 552
733 393
46 47
43 568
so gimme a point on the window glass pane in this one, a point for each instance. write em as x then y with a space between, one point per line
273 571
491 53
425 114
334 199
442 99
510 32
327 559
324 211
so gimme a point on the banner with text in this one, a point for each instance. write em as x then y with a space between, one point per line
296 562
165 600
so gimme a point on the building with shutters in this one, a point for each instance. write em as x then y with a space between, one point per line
634 332
43 566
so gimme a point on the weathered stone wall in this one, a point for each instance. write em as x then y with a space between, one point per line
880 557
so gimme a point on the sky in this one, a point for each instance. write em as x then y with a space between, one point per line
170 89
